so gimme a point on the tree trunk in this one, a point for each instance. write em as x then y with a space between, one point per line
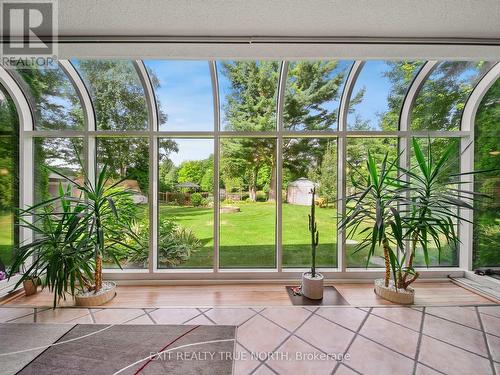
387 276
272 185
252 188
98 273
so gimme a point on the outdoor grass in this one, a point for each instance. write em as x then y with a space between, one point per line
6 239
247 238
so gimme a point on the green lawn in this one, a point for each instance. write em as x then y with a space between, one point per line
6 239
247 238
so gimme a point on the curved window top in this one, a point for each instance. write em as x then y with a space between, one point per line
248 92
117 94
8 113
55 101
442 98
313 93
183 91
378 94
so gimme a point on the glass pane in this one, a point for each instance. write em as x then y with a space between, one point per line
183 91
309 162
248 92
117 94
378 94
57 105
60 154
186 213
357 154
313 92
9 154
128 158
440 102
248 203
449 253
487 157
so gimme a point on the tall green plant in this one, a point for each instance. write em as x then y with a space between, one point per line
61 250
313 229
375 205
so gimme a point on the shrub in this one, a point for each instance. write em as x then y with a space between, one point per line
175 244
261 196
196 199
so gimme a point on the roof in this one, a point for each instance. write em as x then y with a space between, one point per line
302 182
188 185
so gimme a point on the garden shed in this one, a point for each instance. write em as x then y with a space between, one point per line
299 191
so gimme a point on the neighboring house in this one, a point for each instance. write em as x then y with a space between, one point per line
131 185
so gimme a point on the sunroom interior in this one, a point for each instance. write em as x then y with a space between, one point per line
196 166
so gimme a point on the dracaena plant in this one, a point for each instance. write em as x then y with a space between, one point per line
61 251
99 200
373 210
436 204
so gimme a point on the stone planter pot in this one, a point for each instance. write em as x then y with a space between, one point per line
312 288
88 299
399 296
31 286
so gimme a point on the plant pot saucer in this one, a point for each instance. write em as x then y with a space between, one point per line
106 294
392 294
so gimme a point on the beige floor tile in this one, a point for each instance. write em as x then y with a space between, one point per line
325 335
86 319
403 315
462 315
343 370
370 358
424 370
230 316
25 319
244 363
394 336
287 317
61 315
490 310
491 324
173 316
144 319
200 320
115 316
348 317
263 370
494 344
451 360
9 313
259 334
456 334
297 357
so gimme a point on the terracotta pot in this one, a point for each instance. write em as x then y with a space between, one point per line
399 296
312 288
31 286
107 293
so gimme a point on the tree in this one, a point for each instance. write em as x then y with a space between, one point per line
251 106
326 174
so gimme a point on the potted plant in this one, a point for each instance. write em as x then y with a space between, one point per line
99 200
60 250
397 205
312 281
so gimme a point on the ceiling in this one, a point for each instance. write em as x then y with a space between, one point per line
320 18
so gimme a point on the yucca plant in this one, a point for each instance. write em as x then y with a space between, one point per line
375 206
435 206
61 251
98 199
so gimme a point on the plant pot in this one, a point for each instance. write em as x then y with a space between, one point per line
390 293
88 299
312 288
31 286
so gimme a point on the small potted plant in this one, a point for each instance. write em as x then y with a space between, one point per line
312 281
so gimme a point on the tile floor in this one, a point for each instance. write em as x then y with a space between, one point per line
333 340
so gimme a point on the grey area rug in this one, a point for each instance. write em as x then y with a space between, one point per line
107 349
